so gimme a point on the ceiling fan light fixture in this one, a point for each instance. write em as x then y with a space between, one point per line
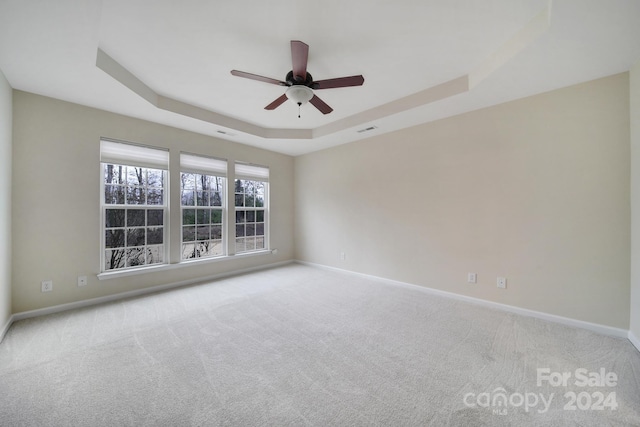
299 94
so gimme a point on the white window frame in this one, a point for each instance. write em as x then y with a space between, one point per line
128 155
212 167
255 173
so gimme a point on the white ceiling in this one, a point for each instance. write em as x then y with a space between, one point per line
405 49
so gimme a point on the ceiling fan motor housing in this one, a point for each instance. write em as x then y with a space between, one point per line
308 81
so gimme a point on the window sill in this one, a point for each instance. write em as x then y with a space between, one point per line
182 264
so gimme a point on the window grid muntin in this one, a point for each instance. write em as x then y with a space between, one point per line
202 204
250 215
128 251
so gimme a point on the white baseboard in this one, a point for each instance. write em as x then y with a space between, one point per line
6 327
594 327
137 292
601 329
634 340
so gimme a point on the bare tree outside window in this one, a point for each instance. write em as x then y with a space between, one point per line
250 197
134 211
202 200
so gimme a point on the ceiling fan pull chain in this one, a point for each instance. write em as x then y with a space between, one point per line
299 105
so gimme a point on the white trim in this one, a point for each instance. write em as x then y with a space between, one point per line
634 340
114 274
139 292
6 327
594 327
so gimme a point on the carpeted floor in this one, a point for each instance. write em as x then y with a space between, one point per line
298 346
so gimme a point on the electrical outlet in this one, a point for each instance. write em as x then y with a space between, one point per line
343 256
472 278
47 285
502 282
82 280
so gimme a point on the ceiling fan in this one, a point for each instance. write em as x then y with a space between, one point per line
301 84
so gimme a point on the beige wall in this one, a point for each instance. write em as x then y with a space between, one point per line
56 206
536 190
5 200
635 201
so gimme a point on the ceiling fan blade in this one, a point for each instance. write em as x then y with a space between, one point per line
278 102
258 78
320 105
299 58
339 82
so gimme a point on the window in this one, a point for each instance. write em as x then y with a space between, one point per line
202 200
134 205
218 216
251 204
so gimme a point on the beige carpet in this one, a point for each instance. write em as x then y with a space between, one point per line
300 346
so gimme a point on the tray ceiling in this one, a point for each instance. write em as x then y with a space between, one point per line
169 62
